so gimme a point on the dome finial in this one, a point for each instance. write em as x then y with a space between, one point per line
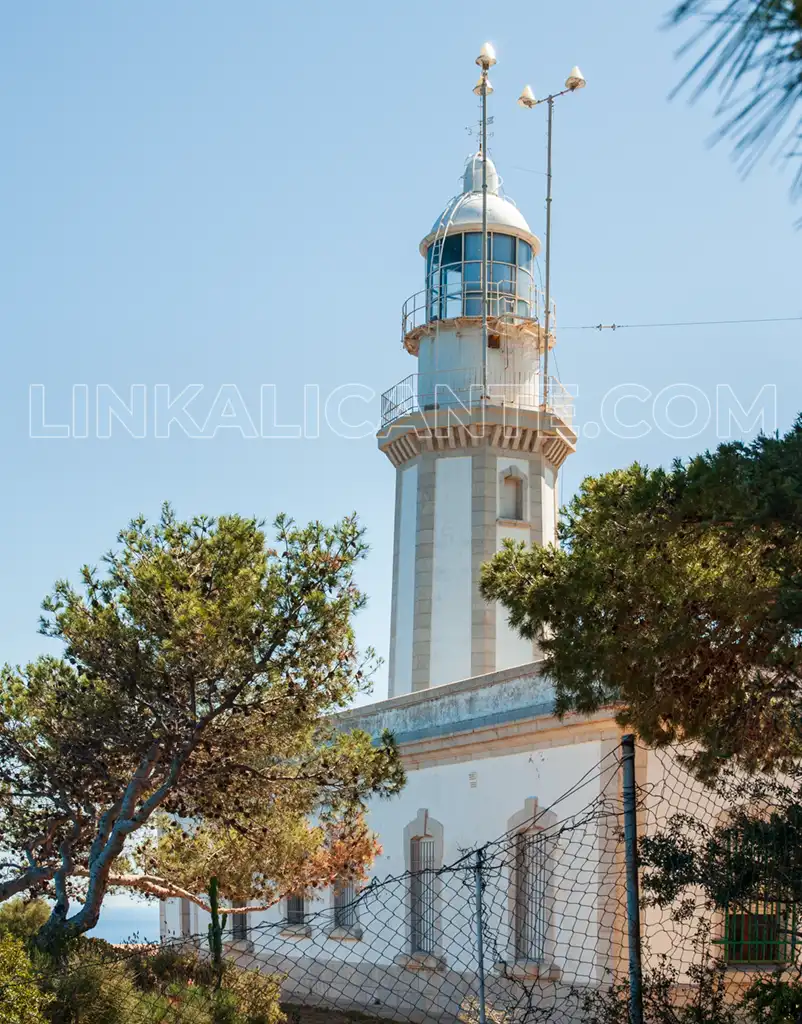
472 178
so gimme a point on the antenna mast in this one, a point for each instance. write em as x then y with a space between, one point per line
485 60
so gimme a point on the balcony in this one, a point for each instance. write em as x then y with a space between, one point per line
509 313
462 390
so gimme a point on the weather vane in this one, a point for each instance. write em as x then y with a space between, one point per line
476 129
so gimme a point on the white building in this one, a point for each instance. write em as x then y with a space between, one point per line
477 458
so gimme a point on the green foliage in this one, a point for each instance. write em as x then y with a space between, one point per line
751 52
201 667
21 1001
702 999
23 918
101 985
705 997
774 1000
678 595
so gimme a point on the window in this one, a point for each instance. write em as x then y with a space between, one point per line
186 918
239 924
473 246
454 272
511 503
764 935
761 927
452 250
531 866
296 910
345 908
503 248
423 895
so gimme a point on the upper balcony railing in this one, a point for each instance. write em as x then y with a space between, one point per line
456 292
453 390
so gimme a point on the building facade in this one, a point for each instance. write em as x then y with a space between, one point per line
477 439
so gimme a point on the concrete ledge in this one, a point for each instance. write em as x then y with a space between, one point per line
421 962
296 931
238 946
527 970
351 934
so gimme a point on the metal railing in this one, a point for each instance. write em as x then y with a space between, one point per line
462 389
463 298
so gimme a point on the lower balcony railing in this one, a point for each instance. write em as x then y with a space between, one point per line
462 389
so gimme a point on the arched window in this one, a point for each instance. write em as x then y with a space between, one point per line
424 924
296 910
511 505
531 898
423 842
345 908
239 924
186 918
531 879
512 494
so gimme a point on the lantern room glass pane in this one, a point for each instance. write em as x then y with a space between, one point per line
452 250
524 254
503 248
503 278
473 245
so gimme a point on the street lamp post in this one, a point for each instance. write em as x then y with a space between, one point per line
575 80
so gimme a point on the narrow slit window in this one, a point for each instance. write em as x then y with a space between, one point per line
296 910
345 909
531 864
186 918
512 498
423 895
239 924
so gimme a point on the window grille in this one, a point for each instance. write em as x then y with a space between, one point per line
239 925
345 908
531 864
761 930
296 910
423 895
763 935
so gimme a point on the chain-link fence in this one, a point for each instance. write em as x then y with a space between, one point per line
663 899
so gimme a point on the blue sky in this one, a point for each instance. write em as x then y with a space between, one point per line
200 193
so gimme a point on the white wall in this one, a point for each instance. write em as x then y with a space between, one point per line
451 581
548 505
405 593
511 648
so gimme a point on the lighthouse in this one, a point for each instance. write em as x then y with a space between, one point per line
475 437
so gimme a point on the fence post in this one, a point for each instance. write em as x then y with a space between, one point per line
480 942
633 896
215 930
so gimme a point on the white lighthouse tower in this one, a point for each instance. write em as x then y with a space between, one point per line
475 444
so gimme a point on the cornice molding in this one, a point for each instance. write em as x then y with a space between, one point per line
554 445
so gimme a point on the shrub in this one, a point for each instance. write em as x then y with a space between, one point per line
23 918
98 984
21 999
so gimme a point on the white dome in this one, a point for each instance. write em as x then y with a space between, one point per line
465 211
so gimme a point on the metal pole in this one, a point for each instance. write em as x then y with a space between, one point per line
633 896
548 256
480 942
484 235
